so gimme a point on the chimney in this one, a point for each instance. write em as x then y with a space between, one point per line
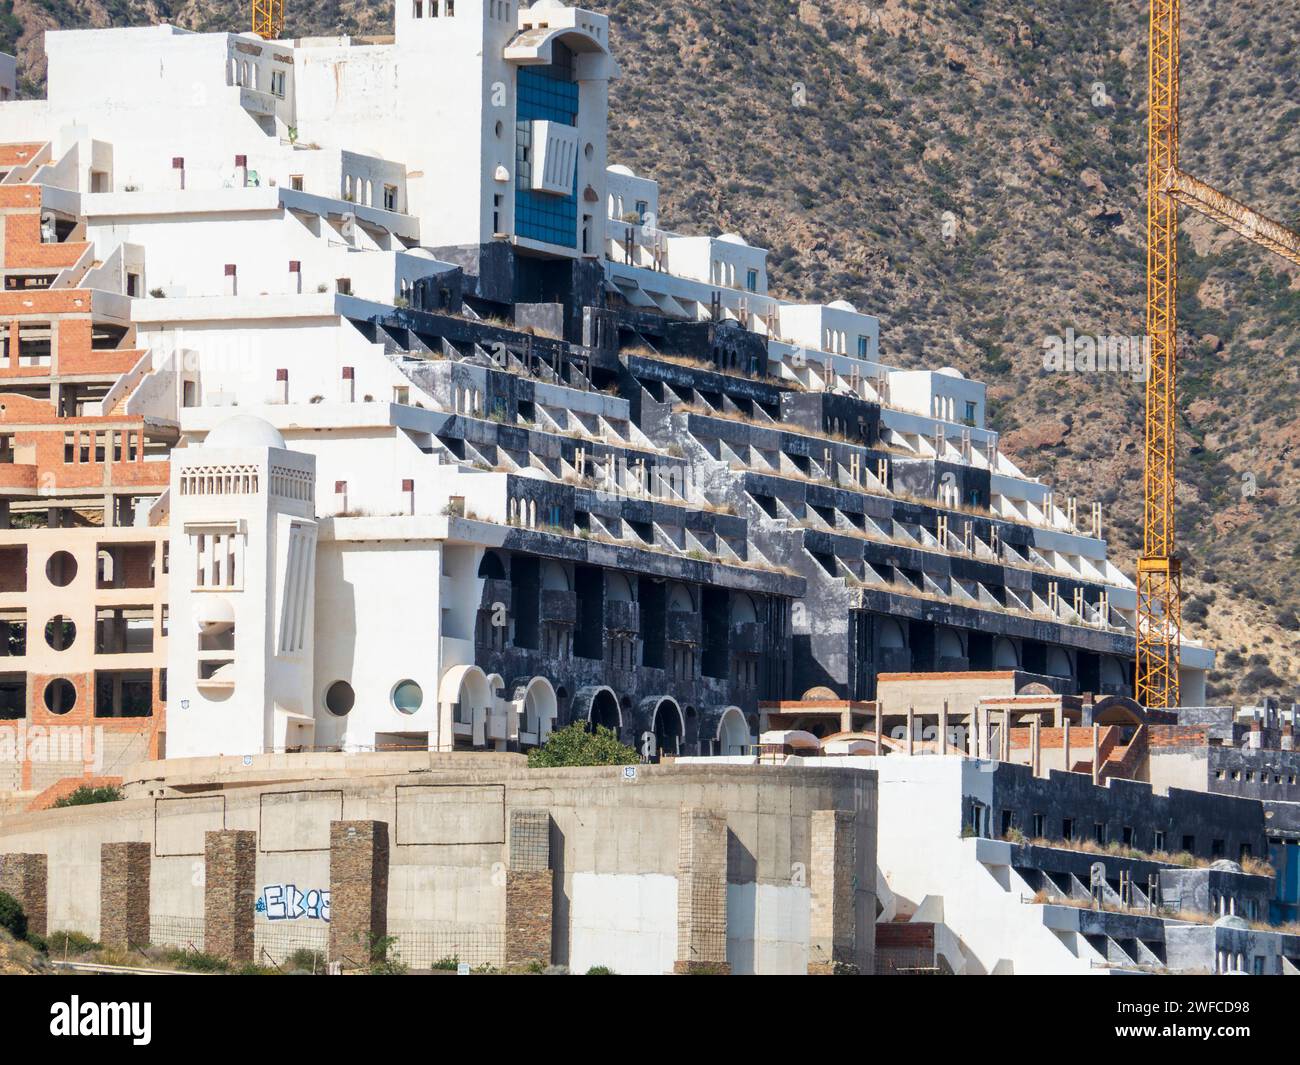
231 286
295 276
241 171
1256 738
1288 736
281 394
348 392
341 492
178 172
408 489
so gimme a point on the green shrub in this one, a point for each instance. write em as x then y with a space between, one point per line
574 745
12 918
37 942
196 961
88 796
70 942
312 961
601 970
451 962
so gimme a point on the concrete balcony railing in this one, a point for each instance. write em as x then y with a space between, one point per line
684 627
623 617
559 607
747 638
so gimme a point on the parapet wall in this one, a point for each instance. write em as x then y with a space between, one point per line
484 859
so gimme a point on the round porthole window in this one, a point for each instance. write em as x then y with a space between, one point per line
60 632
61 569
407 696
339 698
60 696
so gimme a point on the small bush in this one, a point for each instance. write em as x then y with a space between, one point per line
196 961
306 959
88 796
37 942
451 962
574 745
601 970
12 918
70 942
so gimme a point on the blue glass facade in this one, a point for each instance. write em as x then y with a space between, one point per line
546 93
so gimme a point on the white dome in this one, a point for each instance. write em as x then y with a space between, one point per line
213 613
843 305
950 371
245 430
1231 920
734 238
619 168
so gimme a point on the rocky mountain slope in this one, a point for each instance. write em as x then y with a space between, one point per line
973 172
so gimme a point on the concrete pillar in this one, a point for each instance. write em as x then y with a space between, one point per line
1096 753
838 946
1065 742
911 730
1036 745
1006 735
229 893
358 890
880 728
702 893
530 885
943 728
25 877
124 894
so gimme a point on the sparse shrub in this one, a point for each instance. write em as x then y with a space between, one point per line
88 796
574 745
12 917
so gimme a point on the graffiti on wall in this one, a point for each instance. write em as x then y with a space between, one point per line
285 902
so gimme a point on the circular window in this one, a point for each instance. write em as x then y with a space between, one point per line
60 632
60 696
339 698
407 696
61 569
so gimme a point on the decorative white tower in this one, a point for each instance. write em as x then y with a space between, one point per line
243 561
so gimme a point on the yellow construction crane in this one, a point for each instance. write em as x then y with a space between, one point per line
268 18
1159 575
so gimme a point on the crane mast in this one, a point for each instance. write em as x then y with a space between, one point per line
268 18
1159 574
1159 597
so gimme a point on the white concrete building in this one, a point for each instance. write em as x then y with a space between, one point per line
383 297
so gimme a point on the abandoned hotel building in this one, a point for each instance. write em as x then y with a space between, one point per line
328 453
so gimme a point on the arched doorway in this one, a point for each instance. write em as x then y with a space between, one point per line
605 712
669 727
733 732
